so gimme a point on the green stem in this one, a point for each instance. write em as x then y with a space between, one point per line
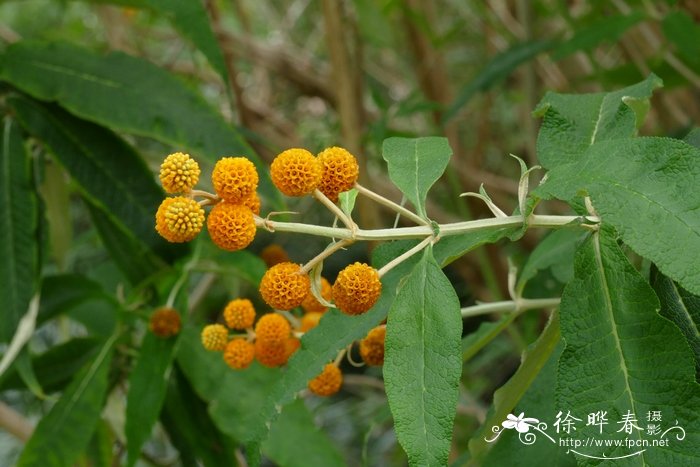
507 306
390 204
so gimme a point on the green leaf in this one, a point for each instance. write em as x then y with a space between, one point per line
693 137
423 364
63 292
647 189
126 94
347 200
507 396
63 433
237 399
681 307
573 122
55 368
192 432
498 69
23 364
415 164
622 357
680 29
19 268
453 247
108 172
488 330
148 383
605 29
555 252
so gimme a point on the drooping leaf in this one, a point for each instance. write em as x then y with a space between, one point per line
108 172
477 340
681 307
496 71
621 357
680 29
25 369
415 165
423 362
573 122
507 396
555 252
605 29
63 433
148 383
19 268
237 398
647 189
128 94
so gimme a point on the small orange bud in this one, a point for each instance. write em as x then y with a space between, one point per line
310 303
214 337
372 346
284 287
356 289
234 179
239 314
252 202
310 320
165 322
328 382
340 171
179 219
274 254
179 173
231 226
271 355
295 172
272 329
239 353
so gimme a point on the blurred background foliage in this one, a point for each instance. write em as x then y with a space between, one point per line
246 77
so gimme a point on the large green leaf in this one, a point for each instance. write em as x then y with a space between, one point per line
605 29
126 94
19 268
621 357
108 172
236 399
573 122
148 384
647 189
415 164
423 362
63 433
496 71
681 307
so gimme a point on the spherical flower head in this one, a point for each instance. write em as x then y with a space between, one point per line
310 320
179 219
215 337
356 289
179 173
340 172
372 346
239 314
328 382
231 226
284 286
295 172
271 355
274 254
165 322
292 345
272 329
252 202
234 179
239 353
311 304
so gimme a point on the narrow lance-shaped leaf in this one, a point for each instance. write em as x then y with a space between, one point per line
62 435
415 165
647 189
148 384
605 29
423 363
18 230
573 122
624 359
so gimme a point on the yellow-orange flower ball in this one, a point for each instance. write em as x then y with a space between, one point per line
340 172
328 382
274 254
179 219
356 289
214 337
271 355
239 314
372 346
284 287
234 179
239 353
165 322
311 304
231 226
179 173
310 320
292 345
272 329
252 202
295 172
